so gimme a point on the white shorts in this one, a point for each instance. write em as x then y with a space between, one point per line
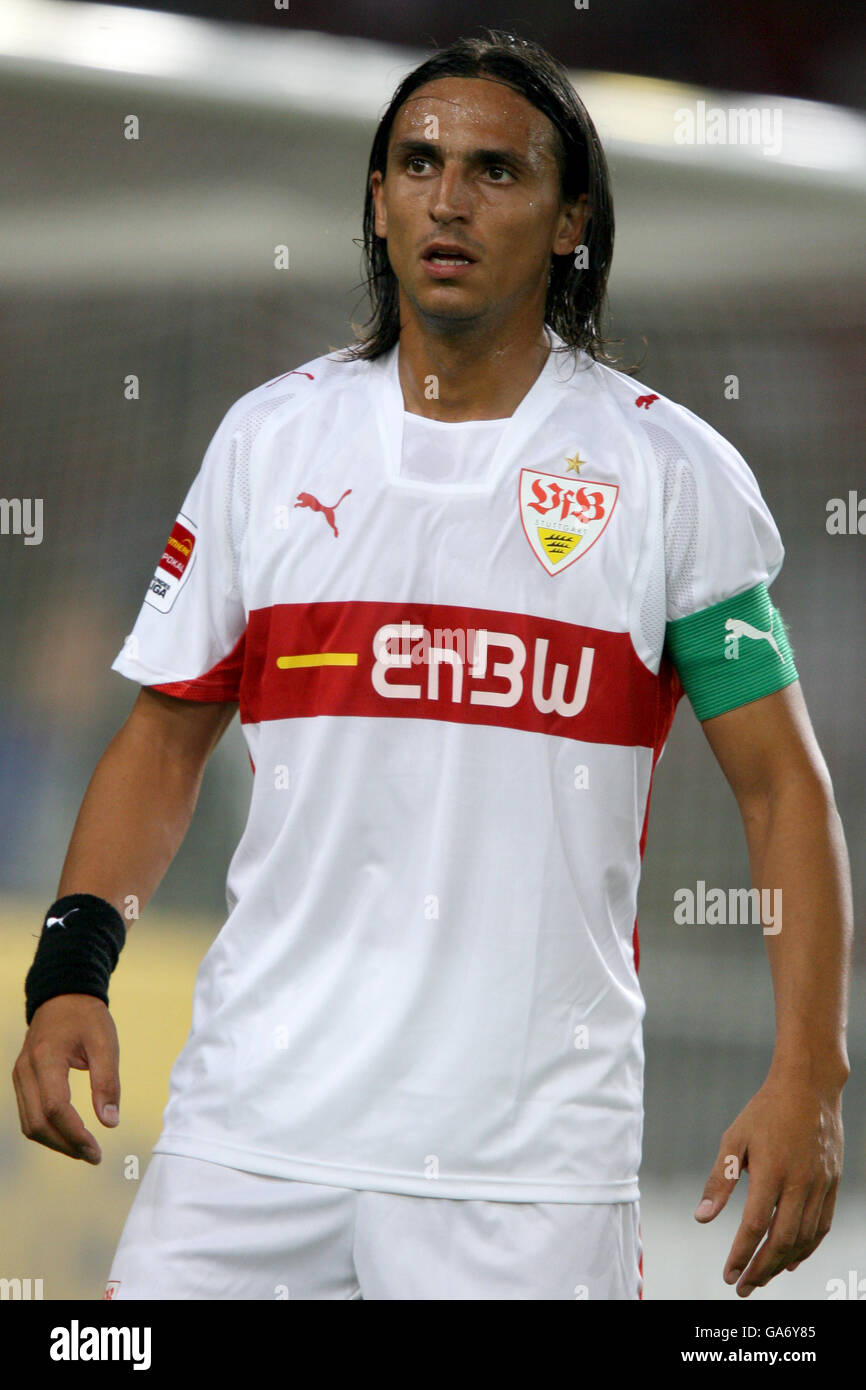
200 1230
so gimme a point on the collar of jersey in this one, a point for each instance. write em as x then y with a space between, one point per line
537 403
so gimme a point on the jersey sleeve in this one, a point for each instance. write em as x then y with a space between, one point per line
723 550
188 637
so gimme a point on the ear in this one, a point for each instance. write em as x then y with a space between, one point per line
380 223
572 223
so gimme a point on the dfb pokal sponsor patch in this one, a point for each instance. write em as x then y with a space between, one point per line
175 565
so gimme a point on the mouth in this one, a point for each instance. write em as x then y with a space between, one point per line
443 260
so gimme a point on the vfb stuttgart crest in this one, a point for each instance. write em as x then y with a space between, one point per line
563 519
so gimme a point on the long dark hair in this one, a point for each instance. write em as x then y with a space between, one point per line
576 298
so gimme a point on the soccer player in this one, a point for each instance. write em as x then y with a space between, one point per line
455 578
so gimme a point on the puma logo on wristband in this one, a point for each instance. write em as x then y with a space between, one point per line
60 921
79 959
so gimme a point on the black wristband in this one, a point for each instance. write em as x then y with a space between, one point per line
82 937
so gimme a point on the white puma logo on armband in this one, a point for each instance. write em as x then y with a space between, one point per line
736 628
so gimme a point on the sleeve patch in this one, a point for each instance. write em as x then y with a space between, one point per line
732 653
175 565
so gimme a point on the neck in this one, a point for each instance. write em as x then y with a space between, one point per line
465 376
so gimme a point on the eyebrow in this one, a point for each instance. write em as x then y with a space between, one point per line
425 148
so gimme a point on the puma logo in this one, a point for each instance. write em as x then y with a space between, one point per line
60 921
306 499
735 628
285 374
645 401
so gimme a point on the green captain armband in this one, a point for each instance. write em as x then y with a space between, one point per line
731 653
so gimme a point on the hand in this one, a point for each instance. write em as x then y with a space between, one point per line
789 1139
71 1030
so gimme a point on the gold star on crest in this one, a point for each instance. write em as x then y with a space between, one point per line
575 464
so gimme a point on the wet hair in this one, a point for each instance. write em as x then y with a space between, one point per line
576 297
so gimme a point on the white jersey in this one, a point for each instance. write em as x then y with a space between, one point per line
453 686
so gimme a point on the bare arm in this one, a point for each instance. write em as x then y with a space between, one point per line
132 821
141 798
789 1136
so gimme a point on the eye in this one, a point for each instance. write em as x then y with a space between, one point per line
494 169
416 159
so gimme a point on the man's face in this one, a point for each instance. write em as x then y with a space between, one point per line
471 166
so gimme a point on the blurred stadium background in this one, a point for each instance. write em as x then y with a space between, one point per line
155 257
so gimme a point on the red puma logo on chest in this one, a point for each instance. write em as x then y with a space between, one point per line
306 499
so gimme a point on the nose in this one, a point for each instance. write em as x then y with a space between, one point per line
450 196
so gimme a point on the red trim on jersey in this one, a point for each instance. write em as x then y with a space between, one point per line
221 682
670 693
622 695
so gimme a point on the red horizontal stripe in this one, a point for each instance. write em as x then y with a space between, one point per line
625 703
